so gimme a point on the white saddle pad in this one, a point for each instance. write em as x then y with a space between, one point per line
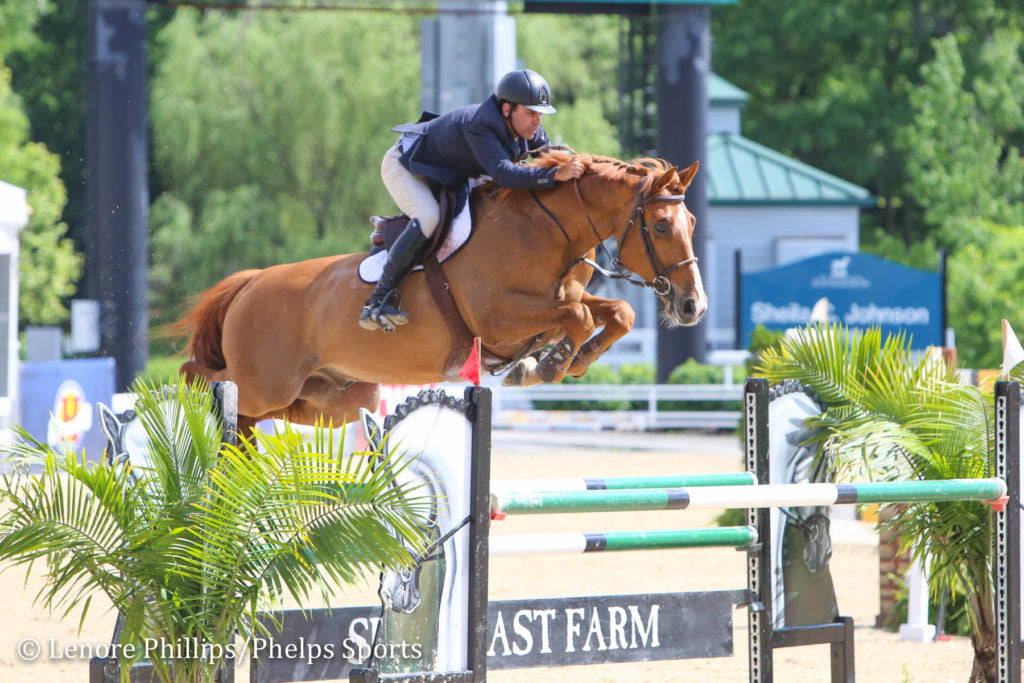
370 268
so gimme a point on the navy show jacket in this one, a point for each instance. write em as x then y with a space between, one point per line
469 142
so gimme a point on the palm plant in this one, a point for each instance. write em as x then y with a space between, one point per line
890 416
193 547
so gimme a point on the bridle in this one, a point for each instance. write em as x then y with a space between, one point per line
660 284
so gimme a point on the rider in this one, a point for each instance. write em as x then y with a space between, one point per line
488 138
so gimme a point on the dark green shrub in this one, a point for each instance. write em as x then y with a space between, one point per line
596 374
692 372
760 339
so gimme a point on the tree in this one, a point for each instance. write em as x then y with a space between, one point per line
268 132
49 265
962 145
984 286
830 81
194 547
889 417
49 76
17 18
581 67
963 150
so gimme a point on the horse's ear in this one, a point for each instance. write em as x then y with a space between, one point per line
686 177
663 181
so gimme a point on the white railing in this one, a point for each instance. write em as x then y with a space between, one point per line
515 407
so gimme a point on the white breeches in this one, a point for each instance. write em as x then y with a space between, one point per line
411 192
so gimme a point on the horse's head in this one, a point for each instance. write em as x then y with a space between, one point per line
655 239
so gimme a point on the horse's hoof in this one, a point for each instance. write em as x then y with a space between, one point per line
517 376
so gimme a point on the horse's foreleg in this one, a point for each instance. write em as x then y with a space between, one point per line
537 316
616 317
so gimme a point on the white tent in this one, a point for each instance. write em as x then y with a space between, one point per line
14 215
14 209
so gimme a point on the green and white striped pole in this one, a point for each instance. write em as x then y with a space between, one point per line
618 483
617 541
759 496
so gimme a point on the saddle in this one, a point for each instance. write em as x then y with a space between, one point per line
452 202
386 229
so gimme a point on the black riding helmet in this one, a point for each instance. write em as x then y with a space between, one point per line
527 88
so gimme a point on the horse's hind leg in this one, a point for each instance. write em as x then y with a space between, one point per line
322 398
192 370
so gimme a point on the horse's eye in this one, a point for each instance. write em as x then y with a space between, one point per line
662 227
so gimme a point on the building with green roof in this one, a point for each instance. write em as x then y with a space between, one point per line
771 208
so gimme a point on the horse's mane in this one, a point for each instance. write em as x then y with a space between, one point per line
609 168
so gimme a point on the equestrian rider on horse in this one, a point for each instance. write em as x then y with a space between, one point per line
488 138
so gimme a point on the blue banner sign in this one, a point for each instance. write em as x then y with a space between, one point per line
862 290
58 402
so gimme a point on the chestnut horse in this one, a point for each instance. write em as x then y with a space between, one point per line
289 337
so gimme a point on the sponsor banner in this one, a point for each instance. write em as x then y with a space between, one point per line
323 644
58 402
615 628
862 290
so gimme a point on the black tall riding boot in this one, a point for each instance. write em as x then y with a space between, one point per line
409 248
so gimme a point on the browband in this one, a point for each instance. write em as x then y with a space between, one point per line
666 198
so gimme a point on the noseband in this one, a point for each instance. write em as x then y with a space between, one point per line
660 283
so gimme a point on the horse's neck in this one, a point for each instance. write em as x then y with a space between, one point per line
568 219
605 204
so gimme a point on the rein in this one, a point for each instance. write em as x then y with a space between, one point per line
660 283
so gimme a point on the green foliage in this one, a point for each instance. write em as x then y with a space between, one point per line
923 254
209 536
160 370
956 619
48 266
636 373
890 418
822 74
604 374
49 75
580 66
963 144
268 131
760 339
17 17
984 287
692 372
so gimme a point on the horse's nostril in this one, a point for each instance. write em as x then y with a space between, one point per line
689 306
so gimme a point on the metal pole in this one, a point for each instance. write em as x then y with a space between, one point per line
737 296
118 188
684 43
760 634
1006 563
479 400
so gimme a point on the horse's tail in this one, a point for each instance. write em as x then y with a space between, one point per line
204 322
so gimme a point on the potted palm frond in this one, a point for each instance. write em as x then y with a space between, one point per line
191 548
891 416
